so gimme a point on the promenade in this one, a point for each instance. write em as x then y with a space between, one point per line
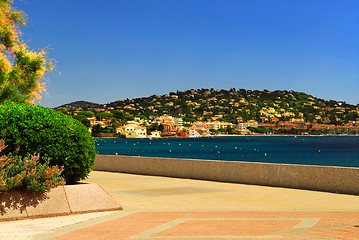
174 208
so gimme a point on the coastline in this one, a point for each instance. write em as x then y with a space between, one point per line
289 135
237 135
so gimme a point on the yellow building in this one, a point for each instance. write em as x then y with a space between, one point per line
132 131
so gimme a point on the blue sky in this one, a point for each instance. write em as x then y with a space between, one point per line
106 50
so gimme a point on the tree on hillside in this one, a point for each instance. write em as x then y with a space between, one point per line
103 115
118 114
96 129
21 69
83 120
87 114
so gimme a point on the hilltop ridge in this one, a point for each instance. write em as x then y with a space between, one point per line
232 106
79 104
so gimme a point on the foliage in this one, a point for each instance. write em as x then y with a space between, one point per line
83 119
103 115
87 114
99 129
64 111
58 138
213 130
27 173
258 129
21 69
231 130
118 114
234 106
222 130
142 117
107 129
96 129
155 127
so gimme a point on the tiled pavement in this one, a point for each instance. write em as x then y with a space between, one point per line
171 208
225 225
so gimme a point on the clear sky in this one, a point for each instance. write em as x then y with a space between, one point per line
106 50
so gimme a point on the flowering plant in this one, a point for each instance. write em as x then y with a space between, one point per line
28 173
21 69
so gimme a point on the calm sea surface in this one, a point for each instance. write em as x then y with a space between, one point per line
308 150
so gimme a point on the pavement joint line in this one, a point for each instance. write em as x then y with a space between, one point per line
214 237
67 200
305 223
307 231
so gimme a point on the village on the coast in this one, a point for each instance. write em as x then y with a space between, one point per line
205 113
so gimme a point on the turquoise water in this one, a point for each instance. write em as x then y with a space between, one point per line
306 150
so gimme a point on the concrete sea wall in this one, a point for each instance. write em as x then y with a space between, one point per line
320 178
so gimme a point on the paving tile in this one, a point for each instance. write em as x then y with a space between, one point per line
216 225
53 204
95 199
348 233
224 227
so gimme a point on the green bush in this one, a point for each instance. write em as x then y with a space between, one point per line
59 139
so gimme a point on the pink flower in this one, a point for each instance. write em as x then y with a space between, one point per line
62 169
25 166
36 157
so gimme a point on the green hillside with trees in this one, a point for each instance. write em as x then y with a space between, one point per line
232 106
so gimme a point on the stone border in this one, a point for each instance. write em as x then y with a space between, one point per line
64 200
319 178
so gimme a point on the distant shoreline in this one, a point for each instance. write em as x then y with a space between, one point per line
253 135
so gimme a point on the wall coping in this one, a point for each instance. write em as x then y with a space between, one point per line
63 200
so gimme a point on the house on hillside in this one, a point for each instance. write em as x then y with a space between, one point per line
296 120
132 130
216 125
193 133
242 128
155 134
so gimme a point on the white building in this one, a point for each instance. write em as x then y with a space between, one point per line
193 133
133 131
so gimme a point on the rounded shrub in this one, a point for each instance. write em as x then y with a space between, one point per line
59 139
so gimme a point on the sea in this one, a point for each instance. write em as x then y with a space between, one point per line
302 150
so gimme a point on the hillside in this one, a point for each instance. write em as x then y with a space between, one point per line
233 106
80 104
